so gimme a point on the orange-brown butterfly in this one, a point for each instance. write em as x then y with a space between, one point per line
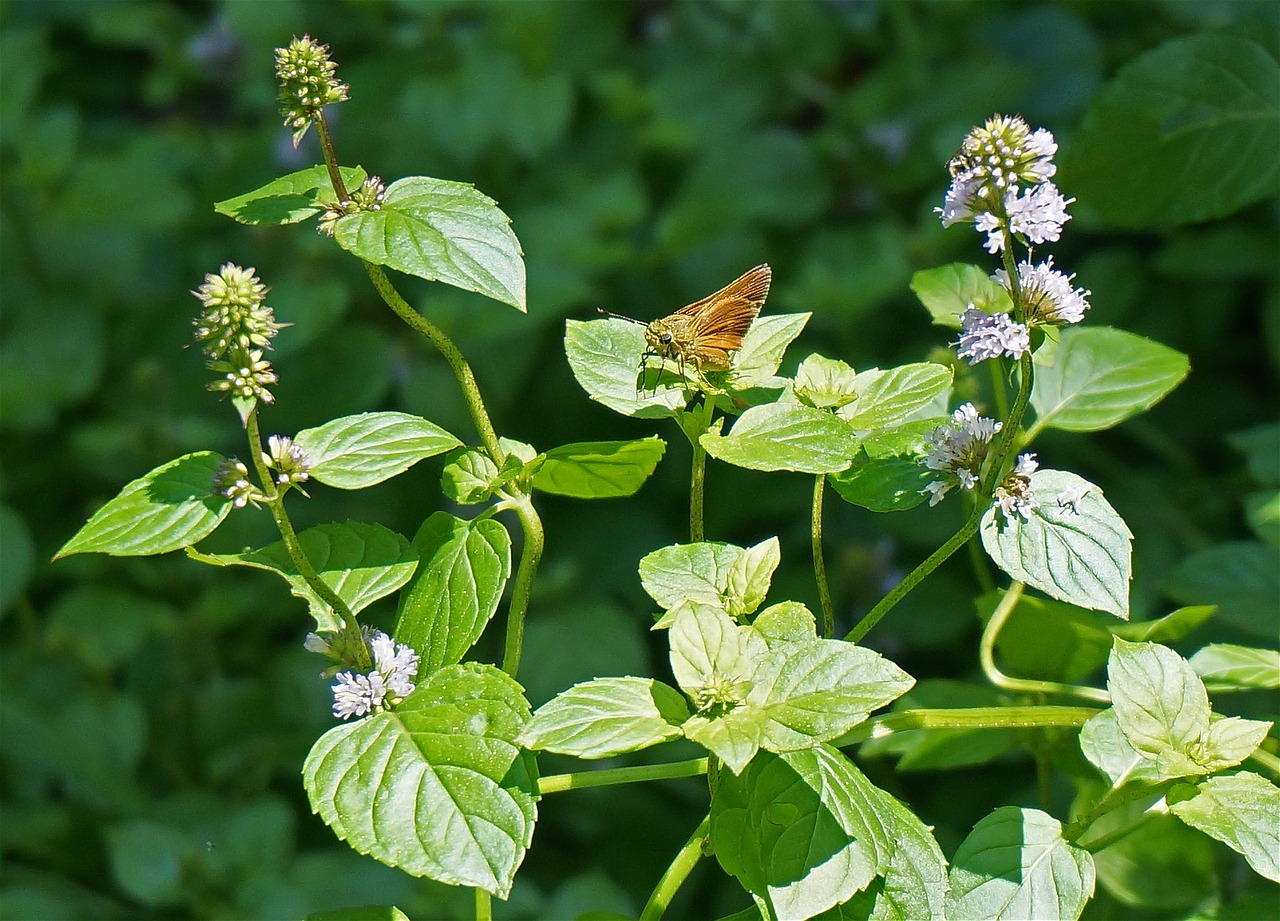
705 333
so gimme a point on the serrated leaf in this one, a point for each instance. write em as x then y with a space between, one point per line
465 565
290 198
599 469
1105 745
469 476
1187 132
825 383
763 348
441 231
785 622
817 690
358 451
1075 547
1228 667
360 562
171 507
1239 810
1094 377
1016 864
607 717
1229 741
437 787
689 573
890 397
785 436
804 830
605 358
1160 703
749 576
949 290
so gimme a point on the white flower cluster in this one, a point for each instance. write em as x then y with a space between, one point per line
958 450
1014 495
1047 293
989 335
395 665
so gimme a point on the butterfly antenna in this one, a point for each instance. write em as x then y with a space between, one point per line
609 313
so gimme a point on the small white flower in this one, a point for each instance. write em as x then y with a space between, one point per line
356 695
989 335
958 450
395 665
1038 214
1014 496
1047 293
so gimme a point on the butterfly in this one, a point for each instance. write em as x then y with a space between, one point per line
707 332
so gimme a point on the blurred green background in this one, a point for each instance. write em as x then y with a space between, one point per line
156 712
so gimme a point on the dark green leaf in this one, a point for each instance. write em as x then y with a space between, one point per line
289 199
599 469
1241 578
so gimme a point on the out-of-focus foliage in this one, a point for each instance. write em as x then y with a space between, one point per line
155 714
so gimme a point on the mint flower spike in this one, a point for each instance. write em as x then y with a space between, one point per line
1048 294
989 335
368 197
395 665
957 451
232 482
233 312
245 374
1014 496
307 83
288 461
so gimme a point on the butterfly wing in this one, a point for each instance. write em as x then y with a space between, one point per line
720 320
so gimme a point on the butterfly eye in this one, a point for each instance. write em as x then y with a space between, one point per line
665 338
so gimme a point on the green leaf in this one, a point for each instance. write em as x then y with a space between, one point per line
441 231
817 690
599 469
1262 509
785 622
1227 667
1239 810
749 577
1260 446
470 476
605 358
1160 864
886 474
438 787
825 383
171 507
763 347
785 436
1107 748
1077 550
1229 741
1160 703
1168 629
1094 377
709 572
803 831
1188 132
607 717
938 749
358 451
289 199
1240 577
360 562
1016 864
886 398
465 565
949 290
147 860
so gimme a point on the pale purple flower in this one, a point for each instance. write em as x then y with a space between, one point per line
989 335
1037 214
1047 293
957 450
1014 496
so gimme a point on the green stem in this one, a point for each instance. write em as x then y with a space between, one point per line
685 860
1267 760
1031 717
1115 798
697 486
484 906
819 565
1102 842
354 641
330 158
986 655
559 783
522 588
998 387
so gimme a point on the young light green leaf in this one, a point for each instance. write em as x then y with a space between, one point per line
785 622
817 690
1168 629
733 736
171 507
358 451
360 562
441 231
1239 810
1075 547
890 397
606 717
470 476
605 358
1200 112
785 436
465 565
1160 703
1093 377
803 831
437 787
950 290
1228 667
825 383
1016 864
747 582
1229 741
762 350
289 199
1105 745
599 469
689 573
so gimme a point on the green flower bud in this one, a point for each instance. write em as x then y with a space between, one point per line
307 83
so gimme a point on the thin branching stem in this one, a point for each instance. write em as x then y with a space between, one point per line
819 565
685 860
559 783
330 158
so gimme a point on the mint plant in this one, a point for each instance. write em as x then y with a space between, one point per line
433 767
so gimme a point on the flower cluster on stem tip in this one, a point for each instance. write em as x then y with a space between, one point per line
308 83
957 451
288 461
390 681
233 329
